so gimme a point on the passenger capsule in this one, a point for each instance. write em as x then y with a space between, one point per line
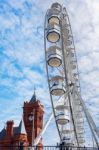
81 140
74 64
66 129
81 131
80 135
80 128
80 121
54 56
56 6
78 114
77 102
54 14
60 107
79 125
68 42
53 33
78 108
66 140
62 118
53 19
66 34
57 86
76 78
72 53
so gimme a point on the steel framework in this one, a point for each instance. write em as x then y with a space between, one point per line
68 107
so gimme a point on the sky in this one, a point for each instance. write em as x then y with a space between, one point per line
22 56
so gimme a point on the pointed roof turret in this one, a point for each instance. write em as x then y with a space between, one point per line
2 133
21 128
33 97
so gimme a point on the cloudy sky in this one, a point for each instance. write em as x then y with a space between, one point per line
22 60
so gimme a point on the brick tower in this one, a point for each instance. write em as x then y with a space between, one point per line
33 118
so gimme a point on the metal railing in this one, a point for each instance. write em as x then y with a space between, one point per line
12 147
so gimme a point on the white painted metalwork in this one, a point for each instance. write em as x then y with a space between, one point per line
62 74
58 31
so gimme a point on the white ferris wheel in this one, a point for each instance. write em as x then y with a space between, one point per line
69 109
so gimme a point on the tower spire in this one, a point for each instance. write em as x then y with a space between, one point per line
21 128
34 96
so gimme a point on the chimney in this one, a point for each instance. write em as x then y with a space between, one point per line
9 128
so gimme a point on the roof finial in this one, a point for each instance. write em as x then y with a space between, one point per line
34 96
34 90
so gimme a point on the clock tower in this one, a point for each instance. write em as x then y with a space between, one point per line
33 112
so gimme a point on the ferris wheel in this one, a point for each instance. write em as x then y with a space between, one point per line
62 72
68 107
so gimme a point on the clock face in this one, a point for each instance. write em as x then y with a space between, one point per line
31 118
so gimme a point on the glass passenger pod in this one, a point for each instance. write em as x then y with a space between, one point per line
53 19
66 129
65 33
80 136
54 14
54 56
79 114
80 121
68 42
56 6
53 33
79 125
81 140
66 140
72 52
60 107
57 87
78 88
81 131
78 108
77 102
80 118
62 117
76 77
74 64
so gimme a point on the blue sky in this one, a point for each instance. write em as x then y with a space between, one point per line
22 60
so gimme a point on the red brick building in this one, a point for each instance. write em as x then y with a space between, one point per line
28 129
